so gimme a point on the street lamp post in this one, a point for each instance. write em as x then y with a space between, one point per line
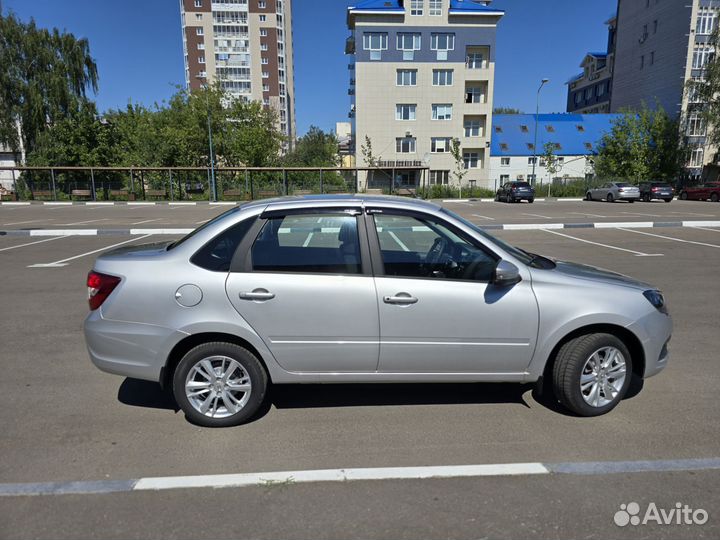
537 113
213 191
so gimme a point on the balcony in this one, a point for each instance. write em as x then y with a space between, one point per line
351 91
352 82
351 66
350 45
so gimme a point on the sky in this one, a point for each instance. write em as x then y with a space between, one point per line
138 48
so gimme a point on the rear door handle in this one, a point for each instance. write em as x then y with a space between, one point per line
400 298
257 294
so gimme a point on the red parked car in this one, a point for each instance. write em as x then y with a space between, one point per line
703 192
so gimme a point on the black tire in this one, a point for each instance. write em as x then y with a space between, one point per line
631 200
569 363
588 196
714 197
531 200
610 197
250 364
683 196
646 198
667 200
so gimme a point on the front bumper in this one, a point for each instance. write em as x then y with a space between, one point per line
654 331
130 349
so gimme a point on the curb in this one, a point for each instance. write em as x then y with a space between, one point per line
503 227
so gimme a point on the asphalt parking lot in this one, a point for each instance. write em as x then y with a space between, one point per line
64 421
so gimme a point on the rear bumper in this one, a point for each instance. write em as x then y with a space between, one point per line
130 349
628 196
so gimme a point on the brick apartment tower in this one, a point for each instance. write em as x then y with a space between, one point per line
247 46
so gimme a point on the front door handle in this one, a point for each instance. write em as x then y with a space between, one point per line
400 298
257 294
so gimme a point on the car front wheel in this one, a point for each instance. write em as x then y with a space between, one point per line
683 196
588 196
592 374
610 198
219 384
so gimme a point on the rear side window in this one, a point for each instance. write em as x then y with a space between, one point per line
218 253
308 243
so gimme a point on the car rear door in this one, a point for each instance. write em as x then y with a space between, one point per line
304 283
439 313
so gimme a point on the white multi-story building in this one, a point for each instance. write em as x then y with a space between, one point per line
246 45
423 75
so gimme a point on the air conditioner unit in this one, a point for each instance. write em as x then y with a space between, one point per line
408 133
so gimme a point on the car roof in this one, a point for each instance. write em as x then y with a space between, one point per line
358 199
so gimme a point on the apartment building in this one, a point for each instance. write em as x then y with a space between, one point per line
575 139
422 75
246 45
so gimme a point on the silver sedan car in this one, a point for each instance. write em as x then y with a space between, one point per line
614 191
343 289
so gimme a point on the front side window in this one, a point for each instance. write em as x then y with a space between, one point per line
442 77
405 112
419 247
406 77
405 145
308 243
442 111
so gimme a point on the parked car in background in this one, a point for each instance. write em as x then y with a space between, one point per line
703 192
656 190
515 192
614 191
363 289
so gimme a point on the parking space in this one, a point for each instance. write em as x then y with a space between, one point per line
66 421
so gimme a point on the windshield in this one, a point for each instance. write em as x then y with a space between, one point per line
519 254
203 226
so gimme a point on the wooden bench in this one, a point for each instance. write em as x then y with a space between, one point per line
155 193
119 193
235 193
301 192
41 194
264 194
81 193
374 191
405 192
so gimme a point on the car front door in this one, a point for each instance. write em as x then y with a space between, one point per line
306 287
439 311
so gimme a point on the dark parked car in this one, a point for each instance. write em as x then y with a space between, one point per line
656 190
515 192
703 192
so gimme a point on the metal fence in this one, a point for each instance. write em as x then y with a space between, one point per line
193 183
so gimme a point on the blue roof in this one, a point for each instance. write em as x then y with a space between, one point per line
378 5
456 6
466 6
573 132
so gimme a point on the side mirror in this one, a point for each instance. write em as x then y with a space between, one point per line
506 274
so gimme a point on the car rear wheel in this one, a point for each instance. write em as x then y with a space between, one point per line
667 200
714 197
592 374
631 200
610 198
219 384
531 200
683 196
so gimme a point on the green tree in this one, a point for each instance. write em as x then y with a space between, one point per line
44 77
552 164
315 149
506 110
642 145
460 169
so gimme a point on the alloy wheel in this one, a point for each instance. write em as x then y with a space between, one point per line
603 376
218 386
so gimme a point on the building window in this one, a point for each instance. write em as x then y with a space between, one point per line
442 77
475 60
504 147
261 4
504 178
440 145
442 111
198 3
263 32
435 8
199 31
408 44
202 74
578 97
265 75
524 129
472 127
655 26
694 90
471 160
263 46
263 18
406 77
199 16
439 177
416 7
405 112
266 87
375 42
405 145
442 43
532 160
201 59
580 128
201 46
652 58
474 94
706 20
642 61
697 157
498 129
550 129
702 54
264 61
504 161
588 93
531 147
696 125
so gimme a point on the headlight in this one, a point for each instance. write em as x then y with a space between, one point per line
657 299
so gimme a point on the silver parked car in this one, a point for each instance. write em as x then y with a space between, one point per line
333 289
614 191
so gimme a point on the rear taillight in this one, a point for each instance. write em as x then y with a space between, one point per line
99 288
656 189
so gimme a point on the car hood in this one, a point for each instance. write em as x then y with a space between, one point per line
584 271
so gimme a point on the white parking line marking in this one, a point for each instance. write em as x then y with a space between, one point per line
399 242
201 222
640 214
84 222
693 214
306 243
586 214
21 222
672 238
706 229
31 243
63 262
484 217
145 221
531 226
537 215
636 253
